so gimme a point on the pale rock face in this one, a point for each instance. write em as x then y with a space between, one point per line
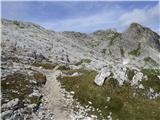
141 86
125 61
108 99
31 105
72 92
75 74
119 72
100 78
136 78
35 93
90 102
11 103
6 114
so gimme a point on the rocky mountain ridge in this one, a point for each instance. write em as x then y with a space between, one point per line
125 57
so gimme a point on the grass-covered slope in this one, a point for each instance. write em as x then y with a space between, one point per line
121 102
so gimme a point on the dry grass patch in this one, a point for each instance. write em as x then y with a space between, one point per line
83 61
40 78
63 67
16 85
44 65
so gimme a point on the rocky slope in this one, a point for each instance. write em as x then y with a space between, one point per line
30 52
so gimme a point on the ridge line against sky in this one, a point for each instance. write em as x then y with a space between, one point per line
85 16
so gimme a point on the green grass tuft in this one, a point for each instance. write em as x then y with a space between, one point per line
63 67
16 82
115 35
18 24
20 85
153 79
150 72
130 74
40 78
136 52
122 51
149 60
83 61
103 51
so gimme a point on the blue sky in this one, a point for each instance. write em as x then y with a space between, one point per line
84 16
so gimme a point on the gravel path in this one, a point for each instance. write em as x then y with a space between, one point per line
55 96
59 102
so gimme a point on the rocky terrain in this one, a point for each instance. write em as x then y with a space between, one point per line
104 75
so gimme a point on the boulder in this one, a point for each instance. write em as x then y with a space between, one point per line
136 78
5 115
119 73
76 74
11 103
100 78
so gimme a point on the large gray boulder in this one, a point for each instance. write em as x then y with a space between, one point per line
100 78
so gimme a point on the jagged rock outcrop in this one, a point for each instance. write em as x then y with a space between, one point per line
33 41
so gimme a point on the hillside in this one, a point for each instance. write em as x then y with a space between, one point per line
71 75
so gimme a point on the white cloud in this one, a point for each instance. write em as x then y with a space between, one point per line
109 17
117 17
80 23
88 21
143 16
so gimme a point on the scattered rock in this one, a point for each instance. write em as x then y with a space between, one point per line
6 115
75 74
100 78
11 103
141 86
90 102
108 99
72 92
136 78
40 78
